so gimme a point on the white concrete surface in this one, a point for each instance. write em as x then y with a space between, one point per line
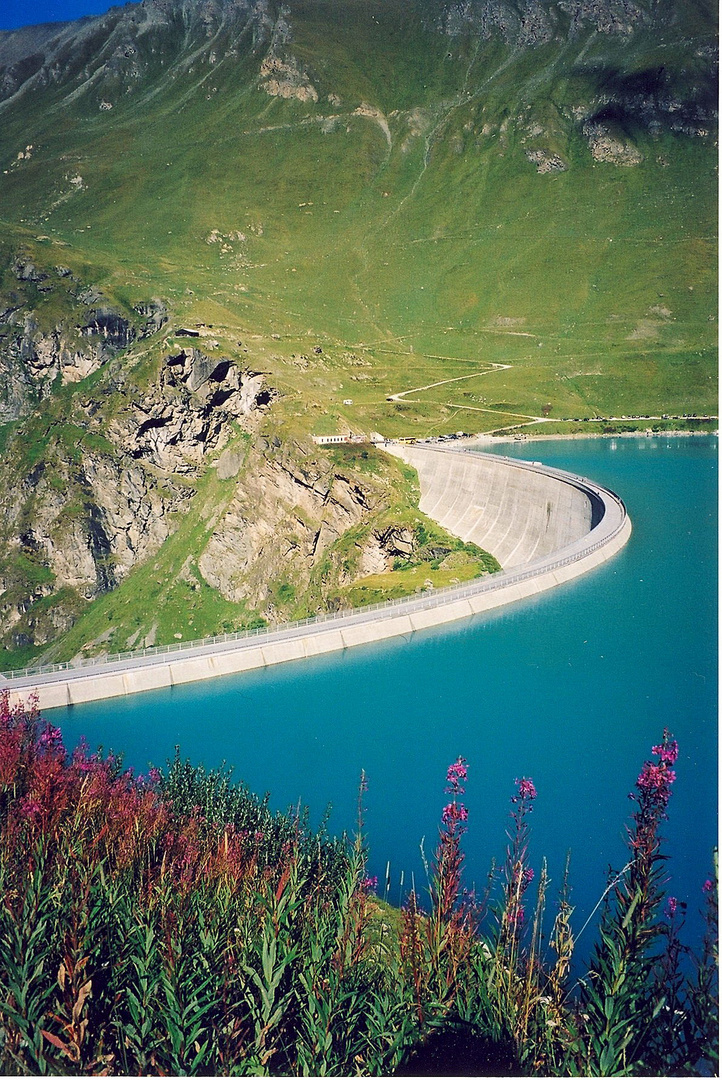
507 509
545 527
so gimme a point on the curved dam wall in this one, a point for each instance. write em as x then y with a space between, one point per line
516 513
589 523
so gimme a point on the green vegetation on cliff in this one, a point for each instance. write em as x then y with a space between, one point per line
413 218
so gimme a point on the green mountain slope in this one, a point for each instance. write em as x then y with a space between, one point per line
356 200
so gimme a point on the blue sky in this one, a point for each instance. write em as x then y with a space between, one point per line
15 13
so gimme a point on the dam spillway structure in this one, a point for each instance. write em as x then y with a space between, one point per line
544 525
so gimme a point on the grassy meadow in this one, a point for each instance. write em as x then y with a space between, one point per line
404 225
387 254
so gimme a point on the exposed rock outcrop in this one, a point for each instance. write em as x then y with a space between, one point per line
383 547
546 161
284 79
32 360
610 147
534 23
79 523
607 16
282 516
187 413
90 524
33 355
281 74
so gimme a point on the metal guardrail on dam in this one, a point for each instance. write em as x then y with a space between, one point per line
612 523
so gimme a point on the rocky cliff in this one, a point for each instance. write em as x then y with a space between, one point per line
56 330
95 493
84 504
231 224
285 520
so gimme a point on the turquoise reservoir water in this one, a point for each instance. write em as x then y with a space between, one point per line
571 689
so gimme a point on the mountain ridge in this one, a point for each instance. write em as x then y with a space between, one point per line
407 218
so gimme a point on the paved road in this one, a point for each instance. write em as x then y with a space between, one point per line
612 519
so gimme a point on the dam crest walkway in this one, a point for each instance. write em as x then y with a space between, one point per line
544 525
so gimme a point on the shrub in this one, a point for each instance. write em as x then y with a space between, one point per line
172 924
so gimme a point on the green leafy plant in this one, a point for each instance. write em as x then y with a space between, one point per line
172 924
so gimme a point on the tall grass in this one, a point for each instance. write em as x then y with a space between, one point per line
172 924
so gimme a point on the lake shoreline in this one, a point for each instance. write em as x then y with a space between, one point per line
164 667
571 689
484 439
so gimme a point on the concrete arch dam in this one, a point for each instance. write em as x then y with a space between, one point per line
545 526
518 511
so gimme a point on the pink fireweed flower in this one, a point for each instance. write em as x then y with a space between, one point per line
50 742
528 876
455 775
656 780
668 752
525 788
671 907
454 812
654 777
30 808
369 884
708 886
50 736
83 761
